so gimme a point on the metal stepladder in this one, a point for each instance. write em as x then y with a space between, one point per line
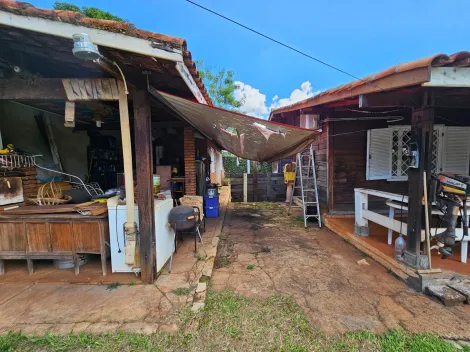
306 181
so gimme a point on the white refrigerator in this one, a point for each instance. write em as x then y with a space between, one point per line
164 239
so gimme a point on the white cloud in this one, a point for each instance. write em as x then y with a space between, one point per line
254 102
297 94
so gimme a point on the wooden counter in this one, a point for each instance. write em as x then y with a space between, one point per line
52 236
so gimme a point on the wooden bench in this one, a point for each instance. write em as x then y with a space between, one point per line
403 207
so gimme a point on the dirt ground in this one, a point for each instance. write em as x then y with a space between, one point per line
263 252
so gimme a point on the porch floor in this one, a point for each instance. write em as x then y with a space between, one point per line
45 273
378 240
47 302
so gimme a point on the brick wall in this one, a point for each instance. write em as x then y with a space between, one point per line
189 161
30 184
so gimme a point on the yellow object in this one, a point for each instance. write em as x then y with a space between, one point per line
289 175
156 184
100 200
9 149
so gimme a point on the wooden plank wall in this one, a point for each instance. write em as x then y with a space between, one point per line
349 152
270 187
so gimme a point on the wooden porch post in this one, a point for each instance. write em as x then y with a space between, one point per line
330 165
144 179
422 125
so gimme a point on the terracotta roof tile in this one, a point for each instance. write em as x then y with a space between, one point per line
26 9
461 58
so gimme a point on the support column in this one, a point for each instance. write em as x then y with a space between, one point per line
189 161
330 170
144 175
422 125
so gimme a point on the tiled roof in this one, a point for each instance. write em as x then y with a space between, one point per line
350 90
26 9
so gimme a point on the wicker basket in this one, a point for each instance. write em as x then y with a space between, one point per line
50 194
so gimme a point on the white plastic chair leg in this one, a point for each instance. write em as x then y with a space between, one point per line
391 215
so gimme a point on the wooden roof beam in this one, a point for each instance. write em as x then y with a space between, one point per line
389 100
36 89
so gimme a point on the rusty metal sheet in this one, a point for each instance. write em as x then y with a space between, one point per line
11 190
245 136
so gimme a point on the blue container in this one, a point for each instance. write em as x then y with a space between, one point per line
211 201
212 212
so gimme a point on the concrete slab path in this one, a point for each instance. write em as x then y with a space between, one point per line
36 308
265 252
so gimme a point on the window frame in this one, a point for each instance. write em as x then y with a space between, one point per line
400 129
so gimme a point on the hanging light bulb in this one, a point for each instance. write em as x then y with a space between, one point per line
83 47
98 118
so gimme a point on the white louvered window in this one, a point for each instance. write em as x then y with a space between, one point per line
455 156
388 151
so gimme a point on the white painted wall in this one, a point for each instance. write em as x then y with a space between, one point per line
18 126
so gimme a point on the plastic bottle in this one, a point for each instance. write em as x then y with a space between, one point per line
400 246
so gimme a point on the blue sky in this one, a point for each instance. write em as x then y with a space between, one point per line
360 36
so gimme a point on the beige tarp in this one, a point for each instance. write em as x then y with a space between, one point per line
245 136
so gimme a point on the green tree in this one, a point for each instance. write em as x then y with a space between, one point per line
91 12
220 86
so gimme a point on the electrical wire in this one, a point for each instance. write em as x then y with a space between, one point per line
283 44
401 214
117 232
446 119
342 134
374 112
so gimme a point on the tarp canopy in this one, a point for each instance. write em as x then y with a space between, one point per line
245 136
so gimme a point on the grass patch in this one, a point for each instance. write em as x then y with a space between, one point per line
222 261
205 278
230 322
250 267
183 291
296 221
113 286
132 283
199 258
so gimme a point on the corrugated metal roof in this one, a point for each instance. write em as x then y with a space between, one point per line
406 74
125 28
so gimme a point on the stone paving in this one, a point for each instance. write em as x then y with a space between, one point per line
263 252
64 308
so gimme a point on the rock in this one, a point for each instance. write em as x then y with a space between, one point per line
446 295
201 287
462 289
197 306
139 328
363 262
